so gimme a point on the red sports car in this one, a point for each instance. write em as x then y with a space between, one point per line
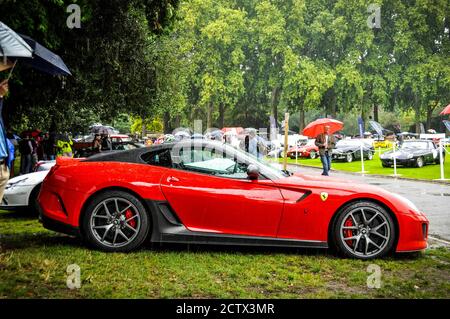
197 191
309 149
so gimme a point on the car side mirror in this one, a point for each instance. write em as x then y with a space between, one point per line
252 172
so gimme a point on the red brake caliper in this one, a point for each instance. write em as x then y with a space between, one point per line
128 215
348 232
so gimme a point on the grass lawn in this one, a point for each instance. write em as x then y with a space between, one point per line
374 167
33 264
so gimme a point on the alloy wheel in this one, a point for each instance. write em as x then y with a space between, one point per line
115 222
364 232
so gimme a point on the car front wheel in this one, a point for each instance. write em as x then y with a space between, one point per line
115 221
312 155
364 230
419 162
349 158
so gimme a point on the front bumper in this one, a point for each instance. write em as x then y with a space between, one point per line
339 156
402 162
413 232
16 197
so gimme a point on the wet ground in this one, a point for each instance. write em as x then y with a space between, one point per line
432 198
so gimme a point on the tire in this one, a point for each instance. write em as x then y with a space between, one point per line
33 204
370 156
420 162
349 158
312 154
359 221
108 231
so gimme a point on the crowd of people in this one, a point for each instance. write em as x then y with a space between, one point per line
34 147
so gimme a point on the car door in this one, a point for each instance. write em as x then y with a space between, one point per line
208 198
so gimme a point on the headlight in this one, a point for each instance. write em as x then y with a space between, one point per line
16 183
407 202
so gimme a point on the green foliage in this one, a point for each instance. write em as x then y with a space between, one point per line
233 62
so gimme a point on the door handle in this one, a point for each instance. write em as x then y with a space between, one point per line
172 179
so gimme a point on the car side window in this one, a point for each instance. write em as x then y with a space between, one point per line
158 158
208 161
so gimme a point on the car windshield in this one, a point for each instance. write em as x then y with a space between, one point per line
345 143
416 144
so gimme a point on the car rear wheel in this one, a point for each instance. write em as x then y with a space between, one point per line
364 230
312 155
419 162
115 221
370 156
349 158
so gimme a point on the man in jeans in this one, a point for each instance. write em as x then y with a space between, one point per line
4 150
325 142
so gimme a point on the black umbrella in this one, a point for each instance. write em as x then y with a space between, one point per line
45 60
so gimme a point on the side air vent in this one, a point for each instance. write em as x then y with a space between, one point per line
168 214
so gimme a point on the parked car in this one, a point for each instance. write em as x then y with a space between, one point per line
116 146
21 192
308 149
413 153
383 144
349 150
207 192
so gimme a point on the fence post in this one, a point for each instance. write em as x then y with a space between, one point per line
395 160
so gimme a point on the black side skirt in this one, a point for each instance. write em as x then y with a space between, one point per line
167 228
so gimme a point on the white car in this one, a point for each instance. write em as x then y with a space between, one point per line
21 192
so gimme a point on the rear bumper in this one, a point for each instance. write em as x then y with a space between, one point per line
59 227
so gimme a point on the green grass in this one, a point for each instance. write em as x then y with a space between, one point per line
428 172
33 264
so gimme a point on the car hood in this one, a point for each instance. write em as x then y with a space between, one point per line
345 149
29 179
402 153
332 183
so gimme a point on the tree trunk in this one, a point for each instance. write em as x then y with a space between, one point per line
274 103
166 120
375 112
221 119
301 123
333 106
209 111
417 118
144 129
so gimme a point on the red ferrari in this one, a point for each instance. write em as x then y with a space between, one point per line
205 192
309 149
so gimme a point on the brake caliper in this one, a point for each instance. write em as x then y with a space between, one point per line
128 215
348 232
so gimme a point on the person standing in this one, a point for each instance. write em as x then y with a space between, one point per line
4 149
25 150
325 142
48 147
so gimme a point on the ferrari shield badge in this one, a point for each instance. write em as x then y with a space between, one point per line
323 196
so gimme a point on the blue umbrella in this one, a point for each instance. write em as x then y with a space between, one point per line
45 60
